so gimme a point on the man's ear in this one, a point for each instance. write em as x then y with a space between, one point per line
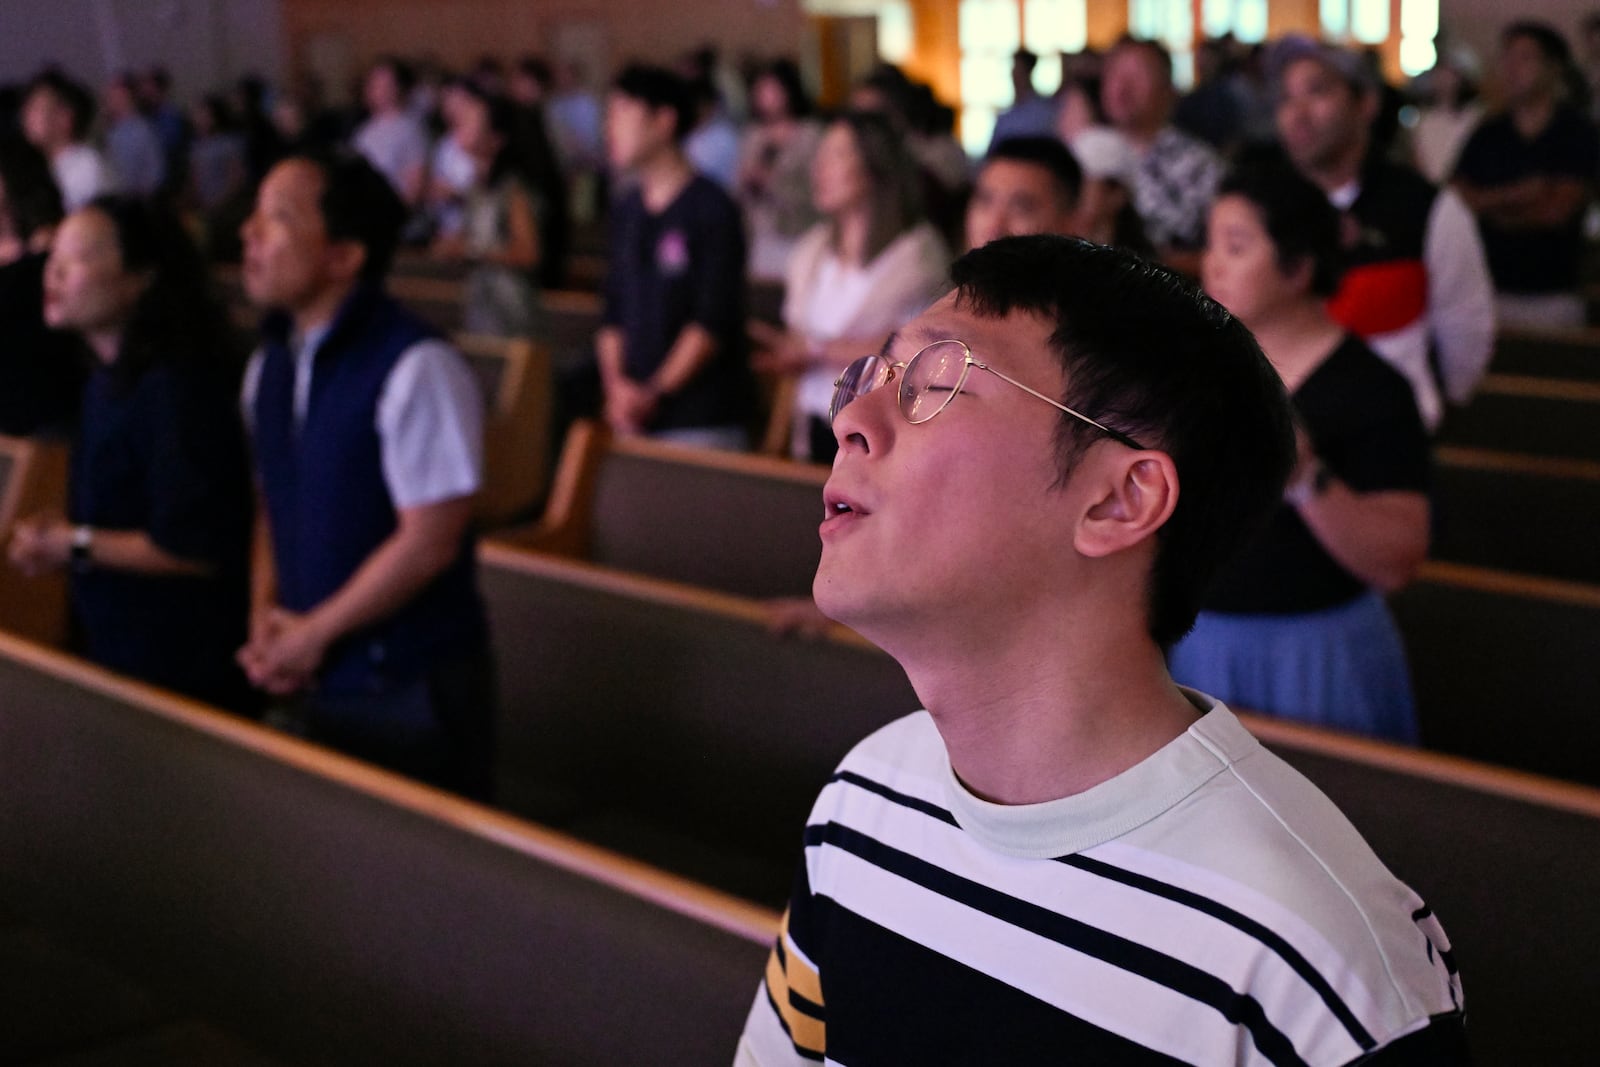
1135 494
346 259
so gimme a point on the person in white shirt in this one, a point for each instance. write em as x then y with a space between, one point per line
866 269
368 441
392 139
56 113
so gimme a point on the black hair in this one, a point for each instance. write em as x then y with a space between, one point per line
892 177
536 68
1303 226
177 319
358 204
76 98
32 198
404 74
1048 153
1551 44
659 89
1150 47
1147 353
784 71
1025 58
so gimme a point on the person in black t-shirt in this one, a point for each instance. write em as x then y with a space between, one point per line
1527 174
1296 625
157 530
672 353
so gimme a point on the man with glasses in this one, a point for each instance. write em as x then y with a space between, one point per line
1066 856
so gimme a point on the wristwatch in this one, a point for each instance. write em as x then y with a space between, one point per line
78 555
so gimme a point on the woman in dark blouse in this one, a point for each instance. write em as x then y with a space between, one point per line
1297 625
39 381
158 524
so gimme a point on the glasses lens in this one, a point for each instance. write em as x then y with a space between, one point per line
932 378
858 379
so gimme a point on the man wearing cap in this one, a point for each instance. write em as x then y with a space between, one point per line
1417 286
1528 174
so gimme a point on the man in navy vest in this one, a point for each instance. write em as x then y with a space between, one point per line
368 435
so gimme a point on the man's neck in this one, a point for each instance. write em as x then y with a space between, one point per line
1336 173
1532 117
1143 137
662 177
318 311
1042 718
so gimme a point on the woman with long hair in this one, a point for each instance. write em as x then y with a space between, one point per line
864 271
157 529
499 232
774 183
1297 625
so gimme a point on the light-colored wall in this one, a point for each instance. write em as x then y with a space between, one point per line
352 32
205 43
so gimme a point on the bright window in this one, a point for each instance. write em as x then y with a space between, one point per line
1172 23
1049 28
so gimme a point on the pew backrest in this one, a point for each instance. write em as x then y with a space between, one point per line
1526 514
1520 413
1509 862
736 523
628 700
1505 667
515 379
333 913
1568 353
33 479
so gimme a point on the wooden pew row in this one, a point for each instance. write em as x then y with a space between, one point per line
671 711
1525 514
740 524
33 479
329 913
746 525
667 721
1572 354
1505 667
1509 862
514 376
1541 416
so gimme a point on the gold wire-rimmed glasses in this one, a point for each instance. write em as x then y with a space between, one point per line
930 379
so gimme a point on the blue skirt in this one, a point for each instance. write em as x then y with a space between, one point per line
1342 667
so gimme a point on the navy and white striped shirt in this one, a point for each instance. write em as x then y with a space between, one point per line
1208 905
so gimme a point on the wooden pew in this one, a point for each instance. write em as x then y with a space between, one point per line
33 479
1541 416
1509 862
1527 514
437 299
666 721
515 379
741 524
623 691
326 912
1505 667
1573 354
572 319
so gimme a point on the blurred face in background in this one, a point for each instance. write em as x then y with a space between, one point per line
1012 198
839 178
85 286
769 102
46 120
1320 117
382 90
1240 268
1135 92
286 246
635 131
1526 76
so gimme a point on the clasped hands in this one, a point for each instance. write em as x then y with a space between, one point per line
284 651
